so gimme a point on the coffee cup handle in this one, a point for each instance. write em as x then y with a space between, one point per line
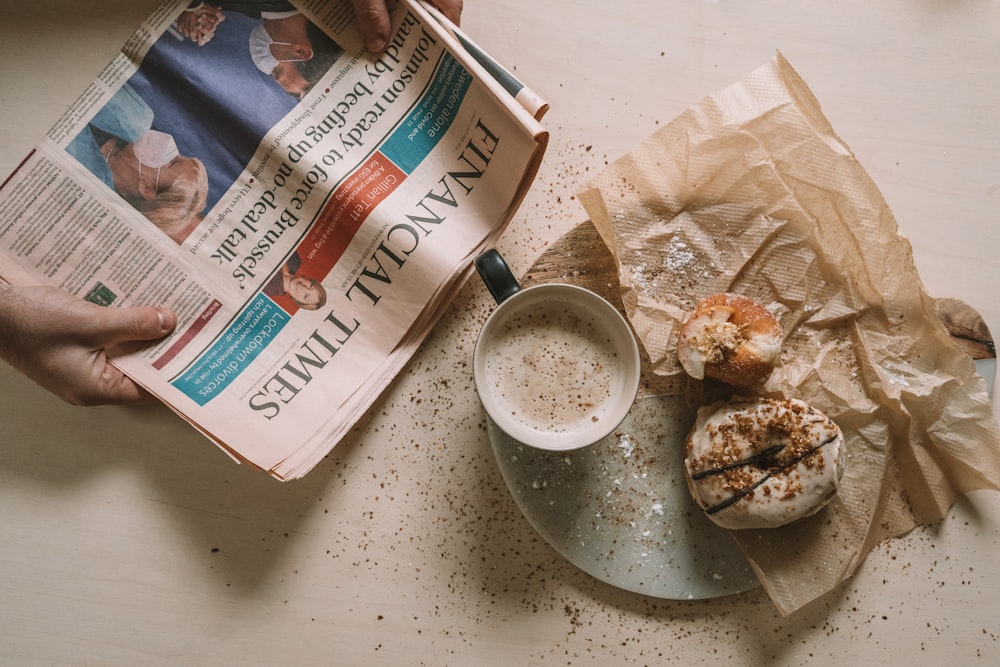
496 275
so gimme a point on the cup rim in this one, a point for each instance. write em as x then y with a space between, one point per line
614 321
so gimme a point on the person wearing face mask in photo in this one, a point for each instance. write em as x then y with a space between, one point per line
285 45
199 20
120 147
292 50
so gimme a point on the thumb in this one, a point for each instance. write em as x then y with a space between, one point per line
373 21
140 323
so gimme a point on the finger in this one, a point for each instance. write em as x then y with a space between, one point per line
373 21
87 379
116 388
98 382
121 325
452 9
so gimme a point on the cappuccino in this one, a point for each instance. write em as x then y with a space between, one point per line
557 366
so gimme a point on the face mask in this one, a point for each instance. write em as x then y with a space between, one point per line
154 149
260 50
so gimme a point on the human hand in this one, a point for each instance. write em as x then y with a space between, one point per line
62 342
373 19
199 24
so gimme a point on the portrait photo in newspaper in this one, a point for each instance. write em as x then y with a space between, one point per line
172 148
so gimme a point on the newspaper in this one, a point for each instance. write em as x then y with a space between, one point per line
308 226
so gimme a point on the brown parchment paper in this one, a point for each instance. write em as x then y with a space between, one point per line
751 191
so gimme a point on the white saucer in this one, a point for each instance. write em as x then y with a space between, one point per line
620 509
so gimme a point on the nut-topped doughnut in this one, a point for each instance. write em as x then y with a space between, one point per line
730 338
762 463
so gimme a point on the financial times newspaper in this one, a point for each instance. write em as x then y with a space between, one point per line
307 211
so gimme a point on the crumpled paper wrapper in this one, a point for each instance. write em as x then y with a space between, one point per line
751 191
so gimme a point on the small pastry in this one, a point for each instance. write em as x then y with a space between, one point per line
730 338
762 463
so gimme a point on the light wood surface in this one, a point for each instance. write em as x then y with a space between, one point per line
129 540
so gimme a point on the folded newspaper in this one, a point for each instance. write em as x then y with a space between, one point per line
307 208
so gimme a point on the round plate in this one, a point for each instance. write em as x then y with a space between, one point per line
620 509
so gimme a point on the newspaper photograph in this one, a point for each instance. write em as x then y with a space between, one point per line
308 209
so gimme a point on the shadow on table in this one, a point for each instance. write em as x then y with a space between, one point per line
233 516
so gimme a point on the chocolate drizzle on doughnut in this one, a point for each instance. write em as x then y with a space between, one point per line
764 459
762 463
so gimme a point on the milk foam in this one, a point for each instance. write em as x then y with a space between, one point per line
554 370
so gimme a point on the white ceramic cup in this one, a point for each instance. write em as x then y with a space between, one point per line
556 366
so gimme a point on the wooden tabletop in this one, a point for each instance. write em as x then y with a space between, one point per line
128 539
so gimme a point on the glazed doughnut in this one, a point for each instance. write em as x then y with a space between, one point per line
730 338
762 463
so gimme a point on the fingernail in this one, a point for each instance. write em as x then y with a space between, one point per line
375 43
165 319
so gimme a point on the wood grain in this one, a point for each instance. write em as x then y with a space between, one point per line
967 328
